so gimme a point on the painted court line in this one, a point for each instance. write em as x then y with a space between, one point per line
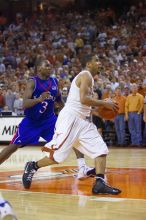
39 176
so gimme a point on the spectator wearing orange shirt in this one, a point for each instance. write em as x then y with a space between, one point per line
141 89
126 91
144 118
119 119
107 93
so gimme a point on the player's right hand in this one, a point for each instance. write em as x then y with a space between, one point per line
43 96
110 104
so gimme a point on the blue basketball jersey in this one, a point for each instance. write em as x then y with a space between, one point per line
45 109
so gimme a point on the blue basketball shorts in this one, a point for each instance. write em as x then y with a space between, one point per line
29 131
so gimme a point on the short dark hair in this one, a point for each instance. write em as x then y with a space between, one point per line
41 62
86 59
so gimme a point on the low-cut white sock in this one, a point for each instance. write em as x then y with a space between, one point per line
81 162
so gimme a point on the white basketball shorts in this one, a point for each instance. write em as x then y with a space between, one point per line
73 131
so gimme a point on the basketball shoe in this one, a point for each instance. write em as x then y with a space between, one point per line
100 187
85 172
29 171
6 211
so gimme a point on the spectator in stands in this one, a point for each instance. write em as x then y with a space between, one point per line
9 99
120 118
18 105
133 114
79 43
2 67
126 90
144 118
2 100
64 94
118 41
107 92
141 89
7 112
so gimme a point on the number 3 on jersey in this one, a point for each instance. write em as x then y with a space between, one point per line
44 107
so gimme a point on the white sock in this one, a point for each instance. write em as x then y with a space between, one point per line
81 162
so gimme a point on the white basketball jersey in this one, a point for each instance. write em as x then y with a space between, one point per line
73 102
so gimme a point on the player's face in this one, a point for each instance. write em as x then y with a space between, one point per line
95 67
45 69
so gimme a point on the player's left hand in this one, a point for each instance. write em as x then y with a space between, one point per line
43 96
110 104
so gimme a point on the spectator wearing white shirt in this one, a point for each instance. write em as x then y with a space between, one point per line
9 99
18 105
114 84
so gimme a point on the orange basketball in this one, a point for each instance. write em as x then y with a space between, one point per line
107 114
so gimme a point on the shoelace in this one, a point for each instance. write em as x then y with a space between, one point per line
30 175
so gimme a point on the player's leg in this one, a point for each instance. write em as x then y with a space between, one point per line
93 146
48 132
8 151
100 186
27 133
32 167
56 151
6 210
84 170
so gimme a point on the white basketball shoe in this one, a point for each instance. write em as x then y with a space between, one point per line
6 211
85 172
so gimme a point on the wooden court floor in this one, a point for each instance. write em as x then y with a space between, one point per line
56 194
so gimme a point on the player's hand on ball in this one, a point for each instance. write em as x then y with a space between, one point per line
110 104
43 96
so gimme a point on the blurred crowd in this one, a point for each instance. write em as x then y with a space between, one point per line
119 42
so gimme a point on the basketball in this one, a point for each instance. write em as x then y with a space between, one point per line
107 114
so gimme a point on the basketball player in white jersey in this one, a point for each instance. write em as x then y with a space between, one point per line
73 129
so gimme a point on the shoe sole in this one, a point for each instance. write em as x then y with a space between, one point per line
106 193
99 193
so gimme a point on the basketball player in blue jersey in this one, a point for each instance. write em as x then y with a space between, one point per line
41 93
